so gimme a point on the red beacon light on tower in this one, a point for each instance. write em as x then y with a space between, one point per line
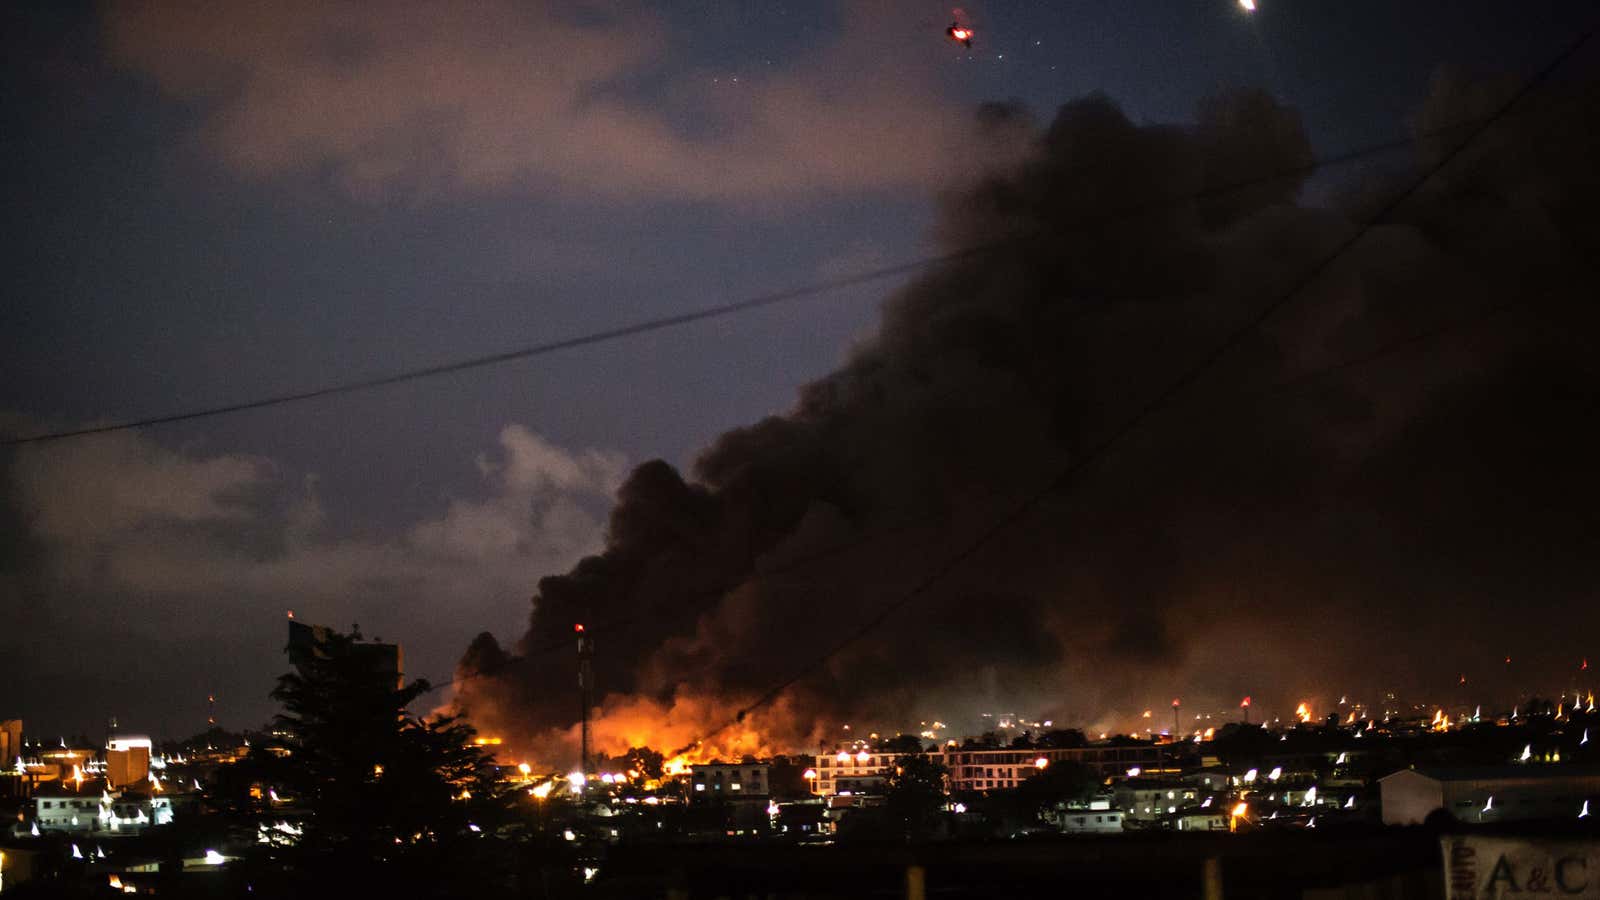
578 628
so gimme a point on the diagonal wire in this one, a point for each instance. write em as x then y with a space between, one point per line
723 310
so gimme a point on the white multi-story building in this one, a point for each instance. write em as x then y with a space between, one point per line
1096 818
984 770
719 781
853 772
1151 799
987 770
59 808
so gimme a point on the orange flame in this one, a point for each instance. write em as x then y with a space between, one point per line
689 728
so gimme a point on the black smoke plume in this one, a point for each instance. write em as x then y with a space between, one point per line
1421 512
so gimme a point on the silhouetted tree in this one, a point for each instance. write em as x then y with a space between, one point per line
915 796
1063 739
1022 806
644 760
786 776
387 803
986 741
902 743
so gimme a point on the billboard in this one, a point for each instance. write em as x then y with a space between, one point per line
1478 867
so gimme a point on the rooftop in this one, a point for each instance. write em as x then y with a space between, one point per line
1502 773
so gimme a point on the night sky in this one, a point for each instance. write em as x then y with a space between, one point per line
212 203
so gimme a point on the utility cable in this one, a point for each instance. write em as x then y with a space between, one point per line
723 310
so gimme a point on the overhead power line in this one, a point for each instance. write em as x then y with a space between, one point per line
724 310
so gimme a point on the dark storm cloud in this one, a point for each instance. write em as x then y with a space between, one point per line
1380 528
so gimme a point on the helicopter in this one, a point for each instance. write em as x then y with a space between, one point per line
960 33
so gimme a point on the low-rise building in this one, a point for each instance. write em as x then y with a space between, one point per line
1150 799
1095 817
1199 819
1490 794
1212 779
97 810
720 781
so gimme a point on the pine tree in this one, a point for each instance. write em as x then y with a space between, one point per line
382 800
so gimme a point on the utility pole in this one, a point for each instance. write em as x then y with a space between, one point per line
585 689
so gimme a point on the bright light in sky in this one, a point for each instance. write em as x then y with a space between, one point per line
1248 5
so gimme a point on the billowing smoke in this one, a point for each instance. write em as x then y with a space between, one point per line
1385 527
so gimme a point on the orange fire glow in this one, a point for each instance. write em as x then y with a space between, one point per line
689 729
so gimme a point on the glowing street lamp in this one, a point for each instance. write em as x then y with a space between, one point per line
1239 812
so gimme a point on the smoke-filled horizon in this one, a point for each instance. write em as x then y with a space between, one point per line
1386 528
